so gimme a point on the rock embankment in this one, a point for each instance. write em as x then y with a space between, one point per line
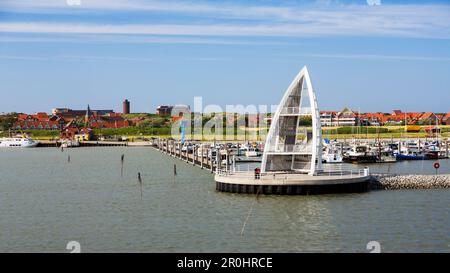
401 182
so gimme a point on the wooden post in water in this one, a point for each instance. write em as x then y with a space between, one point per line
140 183
174 172
122 159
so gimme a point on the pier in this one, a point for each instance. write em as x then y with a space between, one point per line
53 143
205 160
231 178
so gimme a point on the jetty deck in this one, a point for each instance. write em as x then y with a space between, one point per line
53 143
204 161
229 180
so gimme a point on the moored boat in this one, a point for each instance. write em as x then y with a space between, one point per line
22 142
360 154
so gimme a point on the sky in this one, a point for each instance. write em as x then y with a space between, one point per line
369 55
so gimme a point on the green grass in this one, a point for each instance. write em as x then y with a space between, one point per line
132 131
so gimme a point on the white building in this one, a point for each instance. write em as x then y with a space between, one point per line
294 141
346 117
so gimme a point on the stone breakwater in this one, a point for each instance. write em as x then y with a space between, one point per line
401 182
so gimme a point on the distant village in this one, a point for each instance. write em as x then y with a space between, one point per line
81 123
347 117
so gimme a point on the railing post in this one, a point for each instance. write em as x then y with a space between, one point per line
211 163
218 161
234 163
366 171
226 163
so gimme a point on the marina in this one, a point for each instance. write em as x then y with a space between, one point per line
294 152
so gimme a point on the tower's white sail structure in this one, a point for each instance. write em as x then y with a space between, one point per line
294 141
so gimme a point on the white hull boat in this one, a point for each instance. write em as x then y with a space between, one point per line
18 142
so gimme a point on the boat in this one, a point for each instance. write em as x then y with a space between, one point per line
249 151
411 151
415 151
331 155
70 143
332 158
410 156
387 157
360 154
22 142
385 154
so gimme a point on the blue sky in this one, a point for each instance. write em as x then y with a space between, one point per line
367 57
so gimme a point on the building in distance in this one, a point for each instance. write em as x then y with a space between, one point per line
126 106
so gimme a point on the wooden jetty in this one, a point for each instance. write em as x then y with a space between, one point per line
228 179
206 160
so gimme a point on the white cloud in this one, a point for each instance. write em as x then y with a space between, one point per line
373 57
423 21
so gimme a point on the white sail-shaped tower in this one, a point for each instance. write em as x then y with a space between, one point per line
294 141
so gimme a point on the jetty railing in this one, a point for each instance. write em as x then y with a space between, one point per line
222 163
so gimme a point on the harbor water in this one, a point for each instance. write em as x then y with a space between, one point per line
47 201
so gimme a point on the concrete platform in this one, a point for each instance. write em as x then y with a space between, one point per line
292 184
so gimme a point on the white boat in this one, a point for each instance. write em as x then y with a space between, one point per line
22 142
332 157
248 151
331 153
70 143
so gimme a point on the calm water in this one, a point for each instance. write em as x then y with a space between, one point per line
45 202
